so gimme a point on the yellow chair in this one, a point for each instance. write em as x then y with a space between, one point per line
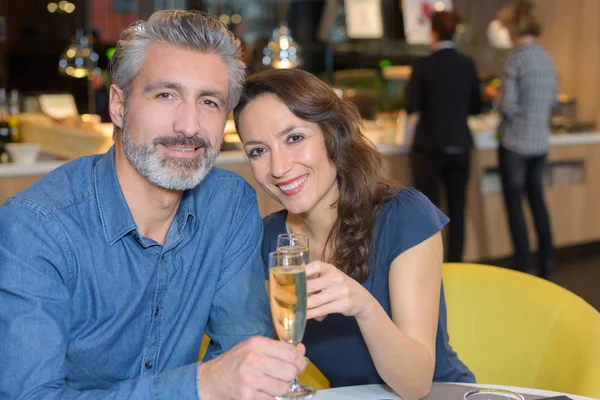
314 378
311 377
516 329
203 347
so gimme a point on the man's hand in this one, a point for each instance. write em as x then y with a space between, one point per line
258 368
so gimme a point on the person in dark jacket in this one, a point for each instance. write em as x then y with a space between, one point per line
444 89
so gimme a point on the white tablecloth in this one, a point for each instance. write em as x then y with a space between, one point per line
381 392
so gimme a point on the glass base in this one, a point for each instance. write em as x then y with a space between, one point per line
297 391
492 394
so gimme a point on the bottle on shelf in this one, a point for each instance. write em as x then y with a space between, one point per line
14 116
5 135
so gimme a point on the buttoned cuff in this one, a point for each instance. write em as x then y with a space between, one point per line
178 383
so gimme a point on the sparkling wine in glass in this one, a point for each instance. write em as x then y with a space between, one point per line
287 295
293 242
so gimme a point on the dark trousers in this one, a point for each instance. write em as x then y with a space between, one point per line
521 175
432 170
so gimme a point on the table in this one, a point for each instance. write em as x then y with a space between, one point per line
382 392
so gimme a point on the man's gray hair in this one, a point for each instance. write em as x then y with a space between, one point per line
188 30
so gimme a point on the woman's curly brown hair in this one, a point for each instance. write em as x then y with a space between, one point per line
362 190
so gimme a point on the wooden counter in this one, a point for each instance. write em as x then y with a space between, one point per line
572 192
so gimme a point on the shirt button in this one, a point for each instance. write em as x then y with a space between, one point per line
148 365
156 312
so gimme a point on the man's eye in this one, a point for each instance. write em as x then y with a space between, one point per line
210 103
165 96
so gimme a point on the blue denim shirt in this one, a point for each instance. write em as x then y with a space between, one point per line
91 309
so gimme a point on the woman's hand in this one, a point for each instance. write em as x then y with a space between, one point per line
331 291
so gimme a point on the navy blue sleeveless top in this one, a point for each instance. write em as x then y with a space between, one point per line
336 345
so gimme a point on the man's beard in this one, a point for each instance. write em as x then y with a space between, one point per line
168 172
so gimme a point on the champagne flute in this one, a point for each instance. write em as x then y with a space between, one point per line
287 295
293 242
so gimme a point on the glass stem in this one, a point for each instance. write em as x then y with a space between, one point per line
294 383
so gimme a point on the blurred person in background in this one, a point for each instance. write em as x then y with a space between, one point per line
526 99
444 89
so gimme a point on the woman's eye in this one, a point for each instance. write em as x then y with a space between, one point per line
295 138
257 152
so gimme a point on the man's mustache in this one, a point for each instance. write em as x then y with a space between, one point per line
195 142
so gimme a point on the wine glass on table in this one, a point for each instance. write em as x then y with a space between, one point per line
492 394
287 295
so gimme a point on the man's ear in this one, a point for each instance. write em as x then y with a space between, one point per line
116 105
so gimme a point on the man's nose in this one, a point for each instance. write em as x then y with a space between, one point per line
187 120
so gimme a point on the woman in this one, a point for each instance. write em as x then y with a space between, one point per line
444 89
375 293
527 97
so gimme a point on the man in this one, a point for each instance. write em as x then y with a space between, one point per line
113 266
444 90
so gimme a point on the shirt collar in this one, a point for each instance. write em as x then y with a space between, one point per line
115 215
527 45
444 44
185 213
